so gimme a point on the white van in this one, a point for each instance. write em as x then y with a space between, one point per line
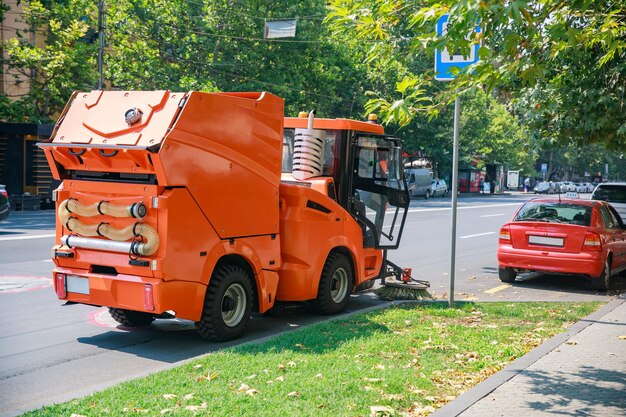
419 181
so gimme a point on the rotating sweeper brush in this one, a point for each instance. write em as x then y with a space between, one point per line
397 284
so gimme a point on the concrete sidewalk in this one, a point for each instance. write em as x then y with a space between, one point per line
578 373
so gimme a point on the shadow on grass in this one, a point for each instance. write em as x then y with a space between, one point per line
170 345
578 394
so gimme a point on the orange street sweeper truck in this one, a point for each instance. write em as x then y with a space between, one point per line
211 206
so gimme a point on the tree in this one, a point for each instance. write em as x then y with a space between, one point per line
571 53
64 63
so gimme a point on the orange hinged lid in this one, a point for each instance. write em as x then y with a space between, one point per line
131 118
112 131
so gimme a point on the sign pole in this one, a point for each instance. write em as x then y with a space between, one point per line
455 190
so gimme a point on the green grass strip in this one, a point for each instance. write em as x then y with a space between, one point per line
405 360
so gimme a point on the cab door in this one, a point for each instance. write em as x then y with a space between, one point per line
379 198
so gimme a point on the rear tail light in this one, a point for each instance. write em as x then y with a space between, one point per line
505 234
148 298
592 242
4 193
59 283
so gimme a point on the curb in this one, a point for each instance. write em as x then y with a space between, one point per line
480 391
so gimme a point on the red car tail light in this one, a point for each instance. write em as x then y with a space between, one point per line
592 242
4 193
148 298
505 234
60 285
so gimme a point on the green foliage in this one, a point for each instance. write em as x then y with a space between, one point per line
571 53
56 69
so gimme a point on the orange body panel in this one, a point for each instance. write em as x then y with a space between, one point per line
312 225
227 150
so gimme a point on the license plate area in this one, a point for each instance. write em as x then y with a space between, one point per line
546 241
77 285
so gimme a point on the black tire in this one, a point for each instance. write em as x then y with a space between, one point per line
227 304
603 282
131 318
336 284
507 274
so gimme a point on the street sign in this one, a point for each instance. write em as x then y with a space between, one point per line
544 168
445 62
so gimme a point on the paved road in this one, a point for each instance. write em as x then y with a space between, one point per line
51 353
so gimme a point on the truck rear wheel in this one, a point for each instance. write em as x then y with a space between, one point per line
227 304
335 286
131 318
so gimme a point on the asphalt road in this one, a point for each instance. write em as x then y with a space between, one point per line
51 353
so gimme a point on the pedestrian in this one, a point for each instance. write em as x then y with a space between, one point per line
526 184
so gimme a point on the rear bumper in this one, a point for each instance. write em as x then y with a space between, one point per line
584 263
186 299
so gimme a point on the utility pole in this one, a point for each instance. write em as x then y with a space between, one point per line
100 43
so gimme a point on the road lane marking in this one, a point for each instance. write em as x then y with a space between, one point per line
476 235
27 237
462 208
498 289
493 215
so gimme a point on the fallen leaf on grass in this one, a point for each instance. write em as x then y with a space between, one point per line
381 411
280 378
196 407
319 376
208 377
77 415
188 397
197 366
166 410
291 364
374 379
170 396
293 394
380 366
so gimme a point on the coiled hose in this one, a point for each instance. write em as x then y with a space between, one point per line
104 229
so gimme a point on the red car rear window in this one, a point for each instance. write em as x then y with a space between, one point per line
555 212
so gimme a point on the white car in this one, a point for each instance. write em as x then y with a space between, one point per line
586 187
614 193
438 187
545 187
567 186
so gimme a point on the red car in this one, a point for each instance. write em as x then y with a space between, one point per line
567 236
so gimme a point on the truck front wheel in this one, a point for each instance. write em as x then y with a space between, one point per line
336 284
131 318
227 304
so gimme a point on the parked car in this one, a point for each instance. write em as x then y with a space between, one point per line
419 182
583 187
566 236
614 193
567 186
439 187
4 203
545 187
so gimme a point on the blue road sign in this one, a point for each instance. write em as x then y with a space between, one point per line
444 62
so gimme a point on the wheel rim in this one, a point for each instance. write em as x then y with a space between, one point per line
233 305
339 285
